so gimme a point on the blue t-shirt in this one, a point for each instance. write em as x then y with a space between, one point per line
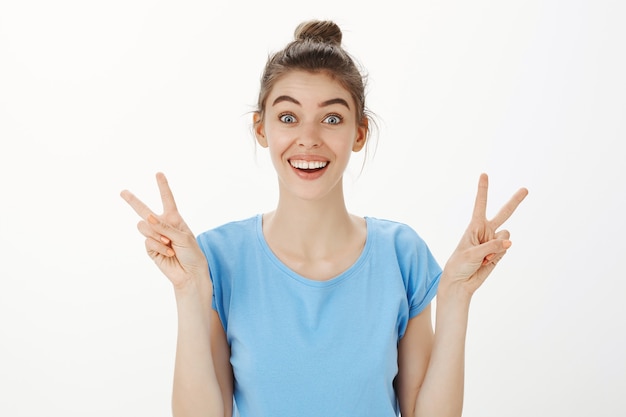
301 347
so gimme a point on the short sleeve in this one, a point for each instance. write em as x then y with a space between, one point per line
204 240
420 270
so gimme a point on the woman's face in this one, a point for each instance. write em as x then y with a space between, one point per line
310 128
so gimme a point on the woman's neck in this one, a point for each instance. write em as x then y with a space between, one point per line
311 228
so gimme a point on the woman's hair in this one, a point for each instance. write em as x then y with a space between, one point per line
316 48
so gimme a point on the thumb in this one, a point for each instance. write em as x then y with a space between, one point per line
491 249
174 234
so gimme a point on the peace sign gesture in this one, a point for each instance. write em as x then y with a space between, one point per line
169 241
482 244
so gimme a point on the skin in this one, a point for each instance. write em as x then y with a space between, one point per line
310 117
311 230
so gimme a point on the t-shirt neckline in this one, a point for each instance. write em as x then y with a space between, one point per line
369 237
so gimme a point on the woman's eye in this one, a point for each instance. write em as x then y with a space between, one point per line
333 119
287 118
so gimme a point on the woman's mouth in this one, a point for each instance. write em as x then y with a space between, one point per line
308 165
308 170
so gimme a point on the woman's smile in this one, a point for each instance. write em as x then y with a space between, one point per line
311 130
308 170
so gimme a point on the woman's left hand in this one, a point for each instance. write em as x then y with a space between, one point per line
482 245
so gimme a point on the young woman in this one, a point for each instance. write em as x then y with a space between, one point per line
309 310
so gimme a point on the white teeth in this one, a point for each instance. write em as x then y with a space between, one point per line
308 164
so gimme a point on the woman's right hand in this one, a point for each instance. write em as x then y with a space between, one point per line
169 241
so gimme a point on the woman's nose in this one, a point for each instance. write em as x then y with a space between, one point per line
309 136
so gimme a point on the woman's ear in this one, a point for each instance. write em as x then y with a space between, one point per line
259 129
361 135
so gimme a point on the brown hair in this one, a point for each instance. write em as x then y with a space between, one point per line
316 48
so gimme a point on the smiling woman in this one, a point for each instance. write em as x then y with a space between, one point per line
309 310
311 121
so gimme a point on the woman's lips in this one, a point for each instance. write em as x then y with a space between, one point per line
308 169
302 164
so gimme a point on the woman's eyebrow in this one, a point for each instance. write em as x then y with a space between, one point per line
335 101
332 101
280 99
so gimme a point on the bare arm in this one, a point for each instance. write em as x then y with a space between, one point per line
414 352
436 390
221 359
441 391
173 247
431 366
196 390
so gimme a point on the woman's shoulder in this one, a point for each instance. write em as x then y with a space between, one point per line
232 232
392 229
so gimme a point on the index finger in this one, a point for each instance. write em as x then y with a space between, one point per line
167 198
480 205
140 208
509 208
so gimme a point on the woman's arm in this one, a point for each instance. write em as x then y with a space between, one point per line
221 360
174 249
196 390
414 350
436 389
431 375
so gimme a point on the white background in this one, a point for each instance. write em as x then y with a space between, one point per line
96 97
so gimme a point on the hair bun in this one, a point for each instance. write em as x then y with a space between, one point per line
322 31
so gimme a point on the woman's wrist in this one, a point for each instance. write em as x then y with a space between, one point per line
451 292
194 288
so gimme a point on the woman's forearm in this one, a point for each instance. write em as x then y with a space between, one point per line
196 391
441 393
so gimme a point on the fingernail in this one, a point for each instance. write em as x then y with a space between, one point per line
165 240
170 252
507 244
152 219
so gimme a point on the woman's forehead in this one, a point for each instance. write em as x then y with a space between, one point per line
309 86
